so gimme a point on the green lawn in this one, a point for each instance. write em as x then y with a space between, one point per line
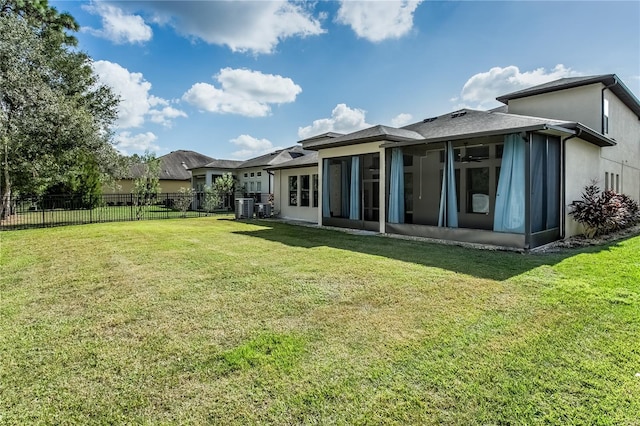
222 322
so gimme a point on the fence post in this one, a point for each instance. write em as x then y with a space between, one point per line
90 208
131 204
44 219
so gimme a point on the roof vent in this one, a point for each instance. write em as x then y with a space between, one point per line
458 114
184 165
429 120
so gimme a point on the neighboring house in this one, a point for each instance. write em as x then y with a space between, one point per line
253 178
174 172
205 174
502 177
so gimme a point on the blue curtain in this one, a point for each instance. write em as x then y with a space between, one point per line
354 201
510 197
345 176
396 187
326 207
448 215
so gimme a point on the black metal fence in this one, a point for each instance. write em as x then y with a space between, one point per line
59 210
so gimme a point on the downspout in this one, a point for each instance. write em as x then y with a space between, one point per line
270 175
615 82
563 207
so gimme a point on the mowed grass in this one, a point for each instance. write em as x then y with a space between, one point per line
222 322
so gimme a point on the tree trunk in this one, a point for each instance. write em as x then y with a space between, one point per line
5 210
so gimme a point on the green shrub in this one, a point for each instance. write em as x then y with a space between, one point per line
602 212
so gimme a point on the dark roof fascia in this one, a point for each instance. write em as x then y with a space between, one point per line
607 80
331 144
579 130
293 166
586 133
610 81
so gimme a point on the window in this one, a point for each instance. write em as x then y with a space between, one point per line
252 186
252 174
478 190
605 117
617 183
606 180
246 175
258 186
293 190
315 190
304 190
259 173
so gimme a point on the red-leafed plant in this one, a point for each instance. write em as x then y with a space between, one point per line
604 212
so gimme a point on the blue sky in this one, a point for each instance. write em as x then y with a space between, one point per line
237 79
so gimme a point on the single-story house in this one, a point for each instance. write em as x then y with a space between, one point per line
502 177
253 177
174 172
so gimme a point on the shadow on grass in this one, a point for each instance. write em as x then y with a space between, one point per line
487 264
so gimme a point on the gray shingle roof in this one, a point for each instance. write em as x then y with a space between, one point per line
310 159
372 134
322 136
273 158
175 165
612 80
223 164
467 121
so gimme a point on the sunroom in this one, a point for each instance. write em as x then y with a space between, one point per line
482 177
498 189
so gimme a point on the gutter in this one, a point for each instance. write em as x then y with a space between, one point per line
271 174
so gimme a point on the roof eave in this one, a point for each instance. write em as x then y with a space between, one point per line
587 134
607 79
378 138
487 133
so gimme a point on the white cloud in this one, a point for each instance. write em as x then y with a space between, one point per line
118 26
251 147
243 26
401 120
482 88
136 104
343 120
165 115
378 20
127 143
243 92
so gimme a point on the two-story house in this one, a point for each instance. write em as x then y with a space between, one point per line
502 177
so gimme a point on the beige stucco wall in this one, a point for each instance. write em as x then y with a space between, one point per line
248 180
624 158
586 162
125 186
582 104
364 148
582 167
281 195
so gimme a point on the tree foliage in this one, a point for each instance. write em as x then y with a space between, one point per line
55 117
146 183
183 200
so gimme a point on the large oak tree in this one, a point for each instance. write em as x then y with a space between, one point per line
55 117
